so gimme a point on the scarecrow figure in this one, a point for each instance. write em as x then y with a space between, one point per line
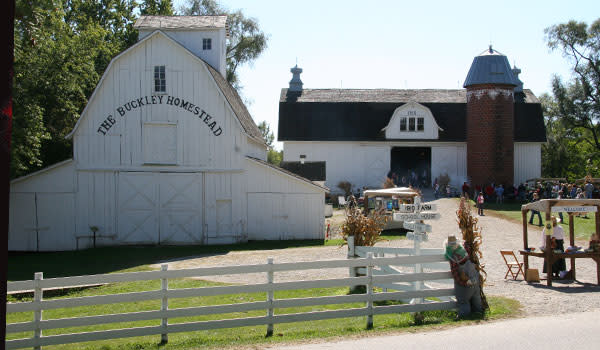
466 278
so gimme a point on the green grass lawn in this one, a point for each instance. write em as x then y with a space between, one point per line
21 266
584 227
236 337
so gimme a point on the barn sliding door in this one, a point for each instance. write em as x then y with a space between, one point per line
160 208
180 197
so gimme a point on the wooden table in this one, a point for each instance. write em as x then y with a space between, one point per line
550 257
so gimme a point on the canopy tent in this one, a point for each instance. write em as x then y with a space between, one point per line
570 206
400 192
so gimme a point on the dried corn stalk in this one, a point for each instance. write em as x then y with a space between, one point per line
471 235
365 229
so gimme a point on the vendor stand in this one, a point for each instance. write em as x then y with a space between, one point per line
390 199
570 206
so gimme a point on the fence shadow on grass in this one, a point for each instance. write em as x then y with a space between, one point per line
22 265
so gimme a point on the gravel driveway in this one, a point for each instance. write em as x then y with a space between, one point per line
536 298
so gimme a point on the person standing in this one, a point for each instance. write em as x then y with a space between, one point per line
589 189
499 194
480 201
557 242
535 198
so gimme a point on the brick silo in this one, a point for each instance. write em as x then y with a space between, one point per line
490 88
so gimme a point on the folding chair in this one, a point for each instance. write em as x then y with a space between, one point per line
517 266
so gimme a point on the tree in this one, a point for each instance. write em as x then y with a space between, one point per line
55 71
266 132
246 40
273 156
578 101
157 7
563 153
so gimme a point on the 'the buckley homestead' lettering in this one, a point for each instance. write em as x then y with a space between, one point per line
161 99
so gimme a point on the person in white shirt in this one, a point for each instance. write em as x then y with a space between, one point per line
558 243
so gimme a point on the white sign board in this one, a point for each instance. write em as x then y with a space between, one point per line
419 216
411 208
414 226
575 209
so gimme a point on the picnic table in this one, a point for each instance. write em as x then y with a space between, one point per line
570 206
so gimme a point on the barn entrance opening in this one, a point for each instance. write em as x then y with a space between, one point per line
412 163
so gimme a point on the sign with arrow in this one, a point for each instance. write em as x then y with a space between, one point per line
415 226
415 216
411 208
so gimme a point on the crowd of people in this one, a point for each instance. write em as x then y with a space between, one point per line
416 178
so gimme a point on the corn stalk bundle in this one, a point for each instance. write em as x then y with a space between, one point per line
471 235
365 229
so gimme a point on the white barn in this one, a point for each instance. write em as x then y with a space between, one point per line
490 132
165 152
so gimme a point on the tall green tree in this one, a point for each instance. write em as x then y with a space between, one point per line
578 100
273 156
157 7
246 41
266 132
54 73
563 155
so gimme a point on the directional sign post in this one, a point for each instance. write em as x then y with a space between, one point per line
410 214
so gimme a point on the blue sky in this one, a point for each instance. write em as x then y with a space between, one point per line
398 44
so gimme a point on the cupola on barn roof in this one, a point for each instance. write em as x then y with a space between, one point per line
180 22
490 67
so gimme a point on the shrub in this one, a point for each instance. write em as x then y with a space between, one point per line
388 183
443 180
345 186
365 229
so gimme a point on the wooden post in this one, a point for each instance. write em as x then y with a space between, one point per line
37 314
270 297
549 251
164 306
351 255
572 241
370 290
525 240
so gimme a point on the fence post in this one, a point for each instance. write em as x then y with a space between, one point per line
351 255
270 297
38 294
370 290
164 285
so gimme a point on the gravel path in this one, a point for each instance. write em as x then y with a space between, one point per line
536 298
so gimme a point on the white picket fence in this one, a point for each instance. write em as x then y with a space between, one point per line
38 305
391 269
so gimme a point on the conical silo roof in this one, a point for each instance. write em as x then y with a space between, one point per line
490 67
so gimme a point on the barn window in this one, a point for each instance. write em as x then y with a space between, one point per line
402 124
160 143
420 124
160 81
411 124
206 44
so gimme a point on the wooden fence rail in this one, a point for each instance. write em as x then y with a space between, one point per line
164 294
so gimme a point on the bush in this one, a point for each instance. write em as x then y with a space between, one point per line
345 186
365 229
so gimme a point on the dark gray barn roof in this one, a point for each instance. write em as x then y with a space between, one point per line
360 115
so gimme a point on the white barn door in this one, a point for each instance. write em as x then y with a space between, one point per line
180 208
138 208
160 208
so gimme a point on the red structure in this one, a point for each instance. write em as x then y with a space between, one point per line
490 88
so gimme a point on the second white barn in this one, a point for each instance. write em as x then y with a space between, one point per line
165 152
